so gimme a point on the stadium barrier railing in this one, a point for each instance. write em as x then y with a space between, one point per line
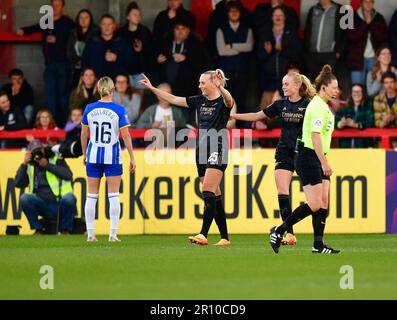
385 135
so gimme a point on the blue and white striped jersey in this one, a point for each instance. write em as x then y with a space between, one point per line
104 120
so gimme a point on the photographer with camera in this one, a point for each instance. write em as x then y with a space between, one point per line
49 179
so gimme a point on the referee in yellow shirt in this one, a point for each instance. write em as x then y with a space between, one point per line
312 165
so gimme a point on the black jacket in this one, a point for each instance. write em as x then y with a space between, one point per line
393 37
24 98
144 59
12 120
263 18
275 64
185 83
163 25
54 52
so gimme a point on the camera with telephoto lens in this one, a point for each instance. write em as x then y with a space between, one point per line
37 154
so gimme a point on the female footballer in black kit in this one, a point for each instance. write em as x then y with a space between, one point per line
213 112
298 92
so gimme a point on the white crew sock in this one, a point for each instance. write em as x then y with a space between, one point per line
114 212
90 206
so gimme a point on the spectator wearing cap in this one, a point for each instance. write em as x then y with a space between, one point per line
218 18
164 22
140 40
263 16
49 181
11 119
107 53
56 64
20 93
235 42
385 103
181 58
369 33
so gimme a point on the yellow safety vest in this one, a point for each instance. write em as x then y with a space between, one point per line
53 181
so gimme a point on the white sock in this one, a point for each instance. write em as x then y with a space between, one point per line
90 206
114 212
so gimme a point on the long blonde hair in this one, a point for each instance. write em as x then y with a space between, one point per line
220 72
306 88
105 86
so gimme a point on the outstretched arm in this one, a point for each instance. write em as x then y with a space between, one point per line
255 116
177 101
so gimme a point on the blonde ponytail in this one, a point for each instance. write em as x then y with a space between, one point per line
219 73
306 89
105 86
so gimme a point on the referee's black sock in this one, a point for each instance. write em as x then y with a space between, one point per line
319 219
209 211
299 214
285 209
220 218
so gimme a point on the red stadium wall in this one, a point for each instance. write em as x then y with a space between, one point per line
7 51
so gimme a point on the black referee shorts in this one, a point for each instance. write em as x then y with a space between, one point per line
285 159
217 159
308 167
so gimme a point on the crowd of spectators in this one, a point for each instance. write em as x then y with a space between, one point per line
79 52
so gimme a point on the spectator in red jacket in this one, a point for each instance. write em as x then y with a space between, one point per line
368 34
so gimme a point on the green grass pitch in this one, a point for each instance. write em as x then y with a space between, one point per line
169 267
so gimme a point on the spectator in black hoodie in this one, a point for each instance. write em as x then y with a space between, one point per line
164 22
85 30
56 65
140 40
11 119
21 94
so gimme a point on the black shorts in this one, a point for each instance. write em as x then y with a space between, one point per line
285 159
308 167
217 159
